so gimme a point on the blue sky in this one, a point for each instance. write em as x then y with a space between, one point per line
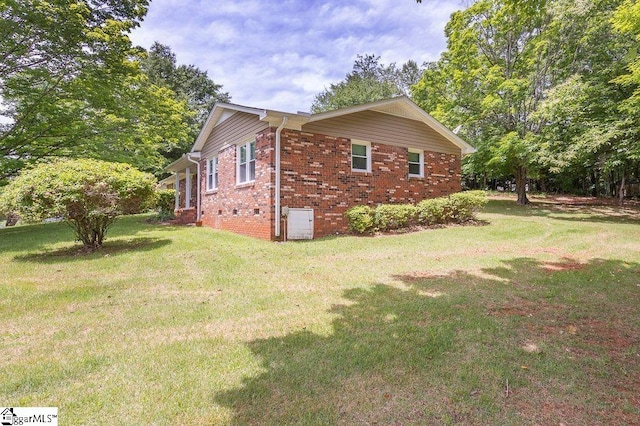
280 54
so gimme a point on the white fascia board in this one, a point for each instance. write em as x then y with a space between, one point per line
295 121
354 109
179 165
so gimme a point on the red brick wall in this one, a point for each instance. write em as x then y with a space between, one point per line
185 216
316 173
251 202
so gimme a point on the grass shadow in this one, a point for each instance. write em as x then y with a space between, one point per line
109 248
524 343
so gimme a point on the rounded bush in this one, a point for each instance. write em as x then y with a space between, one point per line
165 203
434 211
360 219
87 194
464 205
394 216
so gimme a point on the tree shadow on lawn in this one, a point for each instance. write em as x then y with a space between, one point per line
527 343
584 212
109 248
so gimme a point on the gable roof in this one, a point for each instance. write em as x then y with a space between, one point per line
400 106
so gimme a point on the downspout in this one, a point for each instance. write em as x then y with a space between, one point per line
277 195
197 163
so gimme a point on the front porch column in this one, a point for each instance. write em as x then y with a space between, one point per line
176 187
187 189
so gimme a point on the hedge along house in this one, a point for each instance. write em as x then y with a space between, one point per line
277 175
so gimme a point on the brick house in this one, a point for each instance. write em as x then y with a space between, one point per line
277 175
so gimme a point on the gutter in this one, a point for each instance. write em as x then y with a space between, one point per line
197 163
277 160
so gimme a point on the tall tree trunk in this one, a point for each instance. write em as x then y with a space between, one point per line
621 192
521 185
611 185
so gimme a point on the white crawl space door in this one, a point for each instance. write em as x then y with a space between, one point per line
300 224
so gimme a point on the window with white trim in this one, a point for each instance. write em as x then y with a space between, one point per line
246 162
212 174
360 156
415 157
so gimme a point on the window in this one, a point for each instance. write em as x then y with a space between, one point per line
247 162
212 174
416 162
360 156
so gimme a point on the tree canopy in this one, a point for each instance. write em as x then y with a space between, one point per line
189 84
370 80
542 87
71 86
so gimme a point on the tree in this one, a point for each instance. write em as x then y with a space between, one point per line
70 85
546 86
491 80
369 81
88 194
189 84
591 141
626 21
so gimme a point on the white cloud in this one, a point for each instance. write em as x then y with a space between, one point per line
221 32
279 54
310 82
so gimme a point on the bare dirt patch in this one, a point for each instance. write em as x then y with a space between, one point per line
567 264
517 306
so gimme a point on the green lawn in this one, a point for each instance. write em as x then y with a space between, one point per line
533 318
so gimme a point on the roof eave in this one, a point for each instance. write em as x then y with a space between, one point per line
179 165
215 114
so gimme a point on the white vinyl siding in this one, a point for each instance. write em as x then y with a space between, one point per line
379 128
246 162
234 129
415 158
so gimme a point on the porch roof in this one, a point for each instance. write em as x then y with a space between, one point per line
180 165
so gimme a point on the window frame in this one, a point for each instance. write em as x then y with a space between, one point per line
212 173
420 153
248 161
367 156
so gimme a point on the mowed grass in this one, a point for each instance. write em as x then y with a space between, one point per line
531 318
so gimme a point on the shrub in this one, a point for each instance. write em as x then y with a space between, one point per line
87 194
360 219
433 211
394 216
464 205
165 203
457 208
